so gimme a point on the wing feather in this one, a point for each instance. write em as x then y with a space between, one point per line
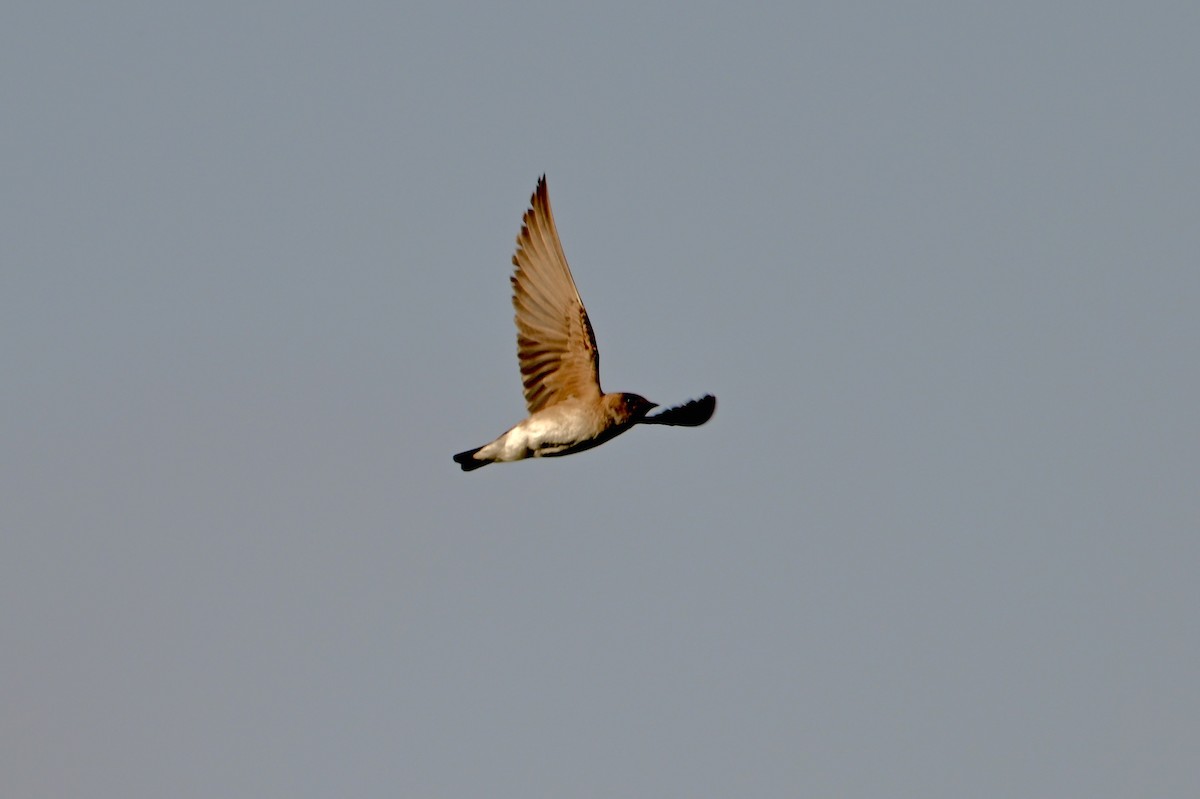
555 343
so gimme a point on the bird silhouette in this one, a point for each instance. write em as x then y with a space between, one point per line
560 365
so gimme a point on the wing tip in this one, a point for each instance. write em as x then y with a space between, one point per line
692 413
540 194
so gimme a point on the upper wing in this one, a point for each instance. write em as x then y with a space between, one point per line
555 343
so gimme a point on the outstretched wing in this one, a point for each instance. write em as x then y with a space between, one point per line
555 343
689 414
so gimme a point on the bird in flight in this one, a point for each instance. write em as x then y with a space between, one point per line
560 366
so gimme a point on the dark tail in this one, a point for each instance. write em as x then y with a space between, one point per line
467 461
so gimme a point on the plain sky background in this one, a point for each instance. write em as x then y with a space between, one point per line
938 260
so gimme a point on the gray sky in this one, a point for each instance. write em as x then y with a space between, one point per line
938 261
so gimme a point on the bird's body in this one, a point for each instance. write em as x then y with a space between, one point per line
569 426
560 365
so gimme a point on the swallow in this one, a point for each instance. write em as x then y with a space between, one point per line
560 365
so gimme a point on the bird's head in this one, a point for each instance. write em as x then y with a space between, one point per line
632 407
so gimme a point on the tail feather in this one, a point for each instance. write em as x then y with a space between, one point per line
467 460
